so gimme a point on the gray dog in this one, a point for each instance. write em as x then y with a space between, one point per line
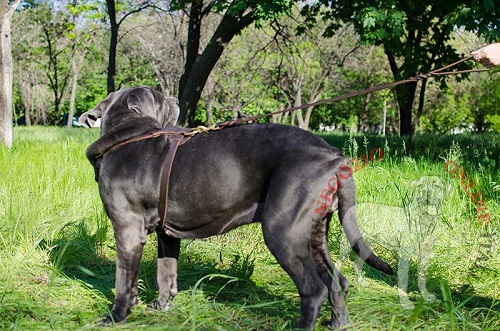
288 179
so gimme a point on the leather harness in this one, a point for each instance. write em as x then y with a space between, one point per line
175 141
176 137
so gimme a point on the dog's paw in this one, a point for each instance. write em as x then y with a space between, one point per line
109 320
428 296
404 300
163 305
407 304
336 325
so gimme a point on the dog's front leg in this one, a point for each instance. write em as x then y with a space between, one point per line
403 274
424 260
166 275
129 246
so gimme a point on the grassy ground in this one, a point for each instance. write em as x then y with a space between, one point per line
57 251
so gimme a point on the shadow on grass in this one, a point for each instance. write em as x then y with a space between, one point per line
232 285
81 254
470 299
465 296
447 299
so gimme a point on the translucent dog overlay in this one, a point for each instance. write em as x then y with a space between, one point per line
408 231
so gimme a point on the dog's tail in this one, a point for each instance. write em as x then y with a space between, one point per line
347 215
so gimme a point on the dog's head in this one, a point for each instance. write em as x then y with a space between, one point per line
142 100
429 193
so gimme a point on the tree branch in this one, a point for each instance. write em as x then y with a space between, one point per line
13 8
141 8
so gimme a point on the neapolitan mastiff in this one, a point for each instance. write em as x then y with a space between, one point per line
284 177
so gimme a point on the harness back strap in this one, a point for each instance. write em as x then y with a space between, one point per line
176 137
175 142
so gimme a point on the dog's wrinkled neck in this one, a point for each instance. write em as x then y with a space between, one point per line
118 118
117 131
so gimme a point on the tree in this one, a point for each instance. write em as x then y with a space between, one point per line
54 53
414 36
43 51
52 42
269 68
469 105
80 46
448 112
237 15
6 12
114 25
483 102
307 65
158 38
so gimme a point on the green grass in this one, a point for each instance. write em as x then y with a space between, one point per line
479 151
57 249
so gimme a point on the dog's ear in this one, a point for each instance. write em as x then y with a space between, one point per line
154 104
169 110
141 101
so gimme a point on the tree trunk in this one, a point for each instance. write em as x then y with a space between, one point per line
72 97
420 111
193 43
6 114
209 98
204 64
405 94
27 116
113 42
364 124
298 102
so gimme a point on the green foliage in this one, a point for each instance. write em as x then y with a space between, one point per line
263 9
414 35
448 113
494 121
467 106
47 38
484 101
480 16
262 70
381 23
414 32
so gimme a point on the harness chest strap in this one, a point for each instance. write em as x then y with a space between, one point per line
176 137
175 142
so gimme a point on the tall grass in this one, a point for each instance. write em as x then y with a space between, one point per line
479 151
57 251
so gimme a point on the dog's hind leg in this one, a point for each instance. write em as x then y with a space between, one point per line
336 283
166 275
291 248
